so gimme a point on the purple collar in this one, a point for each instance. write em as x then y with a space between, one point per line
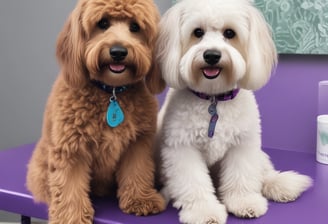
220 97
212 110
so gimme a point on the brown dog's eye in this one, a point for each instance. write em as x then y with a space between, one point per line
103 24
198 32
229 34
134 27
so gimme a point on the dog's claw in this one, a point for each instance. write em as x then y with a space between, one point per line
143 207
212 221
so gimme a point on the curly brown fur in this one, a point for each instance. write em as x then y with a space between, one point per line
78 153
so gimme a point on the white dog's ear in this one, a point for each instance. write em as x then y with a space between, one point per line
261 53
168 47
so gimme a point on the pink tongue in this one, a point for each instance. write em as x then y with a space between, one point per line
116 67
211 71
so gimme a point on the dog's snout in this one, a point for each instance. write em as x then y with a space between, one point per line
118 53
212 57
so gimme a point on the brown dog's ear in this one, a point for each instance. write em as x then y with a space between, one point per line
70 49
154 80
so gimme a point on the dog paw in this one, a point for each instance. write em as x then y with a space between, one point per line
214 213
248 206
285 186
81 215
143 206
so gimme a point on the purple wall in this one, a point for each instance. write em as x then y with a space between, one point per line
288 103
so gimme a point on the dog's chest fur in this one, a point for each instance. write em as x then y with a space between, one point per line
82 115
187 119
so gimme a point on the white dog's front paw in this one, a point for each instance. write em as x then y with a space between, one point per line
247 206
210 213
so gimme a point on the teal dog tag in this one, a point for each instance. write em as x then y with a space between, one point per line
115 115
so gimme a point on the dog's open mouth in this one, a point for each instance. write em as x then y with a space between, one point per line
211 72
117 68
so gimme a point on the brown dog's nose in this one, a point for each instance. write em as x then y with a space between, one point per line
118 53
212 57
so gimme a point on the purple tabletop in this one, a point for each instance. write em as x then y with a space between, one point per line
311 207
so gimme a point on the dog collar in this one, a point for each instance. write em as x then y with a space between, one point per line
107 88
212 108
219 97
115 115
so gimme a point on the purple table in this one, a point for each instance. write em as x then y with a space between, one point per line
311 207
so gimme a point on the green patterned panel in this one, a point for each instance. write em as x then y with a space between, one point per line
299 26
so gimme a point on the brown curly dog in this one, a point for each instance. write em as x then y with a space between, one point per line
100 118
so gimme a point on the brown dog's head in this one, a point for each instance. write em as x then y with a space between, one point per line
111 41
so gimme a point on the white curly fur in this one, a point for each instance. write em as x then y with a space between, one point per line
245 178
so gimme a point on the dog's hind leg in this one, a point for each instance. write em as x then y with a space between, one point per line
284 186
37 173
135 178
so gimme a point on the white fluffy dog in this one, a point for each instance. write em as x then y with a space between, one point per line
213 53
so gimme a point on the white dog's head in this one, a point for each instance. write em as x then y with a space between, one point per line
212 46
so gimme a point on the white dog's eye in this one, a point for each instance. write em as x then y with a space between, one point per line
134 27
198 32
229 34
103 24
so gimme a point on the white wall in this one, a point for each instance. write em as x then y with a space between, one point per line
28 32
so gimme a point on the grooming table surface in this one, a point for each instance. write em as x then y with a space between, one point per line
311 207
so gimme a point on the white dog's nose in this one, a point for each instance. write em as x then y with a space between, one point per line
212 57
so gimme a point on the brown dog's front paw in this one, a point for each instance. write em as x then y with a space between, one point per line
150 204
70 213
